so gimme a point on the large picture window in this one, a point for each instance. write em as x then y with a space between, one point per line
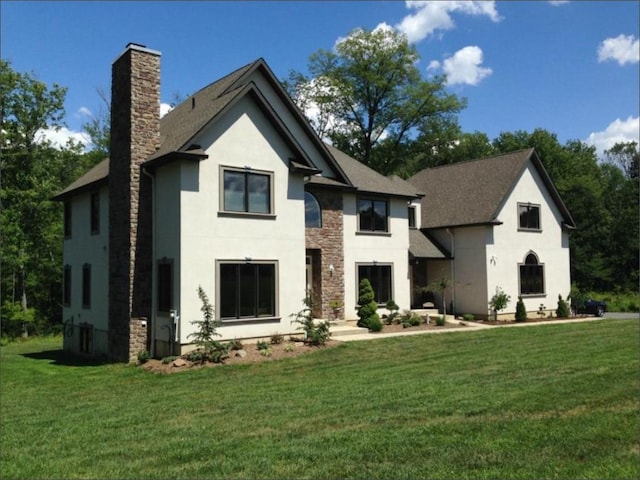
247 191
531 276
373 215
380 278
528 216
247 290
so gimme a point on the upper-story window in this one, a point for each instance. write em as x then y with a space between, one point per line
312 211
247 191
373 215
95 213
67 219
528 216
412 216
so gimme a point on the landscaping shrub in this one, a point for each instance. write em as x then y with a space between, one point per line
440 320
262 345
499 301
316 333
277 339
143 356
367 304
375 324
563 309
393 312
206 330
469 317
521 311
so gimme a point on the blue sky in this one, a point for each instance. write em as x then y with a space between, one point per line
568 67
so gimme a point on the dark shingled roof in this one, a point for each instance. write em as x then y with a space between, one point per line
179 127
368 180
97 175
421 246
471 193
182 123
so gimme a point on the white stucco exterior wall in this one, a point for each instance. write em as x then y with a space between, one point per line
86 248
511 246
382 248
244 137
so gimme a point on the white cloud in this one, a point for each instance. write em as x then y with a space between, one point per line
623 49
464 66
164 109
618 131
557 3
84 112
59 137
433 65
436 15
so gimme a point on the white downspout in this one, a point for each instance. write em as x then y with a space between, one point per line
154 267
452 249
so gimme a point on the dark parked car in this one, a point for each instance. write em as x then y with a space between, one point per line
593 307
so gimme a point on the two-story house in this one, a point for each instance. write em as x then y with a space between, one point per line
231 191
234 192
503 225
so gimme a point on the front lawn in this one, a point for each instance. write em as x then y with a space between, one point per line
552 401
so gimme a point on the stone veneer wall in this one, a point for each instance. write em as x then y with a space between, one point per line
329 240
135 135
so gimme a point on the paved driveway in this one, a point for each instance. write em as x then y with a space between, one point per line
622 315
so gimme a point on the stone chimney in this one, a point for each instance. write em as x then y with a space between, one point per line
135 135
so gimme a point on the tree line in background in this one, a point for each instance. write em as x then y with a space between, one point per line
368 99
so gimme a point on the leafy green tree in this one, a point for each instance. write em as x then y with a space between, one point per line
371 96
32 172
499 301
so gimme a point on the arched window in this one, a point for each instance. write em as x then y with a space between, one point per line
531 276
312 211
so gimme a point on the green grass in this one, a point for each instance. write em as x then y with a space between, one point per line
552 401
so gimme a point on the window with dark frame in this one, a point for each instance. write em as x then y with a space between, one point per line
67 219
66 286
531 276
373 215
312 211
85 337
380 278
165 285
95 213
528 216
86 286
247 291
246 191
412 216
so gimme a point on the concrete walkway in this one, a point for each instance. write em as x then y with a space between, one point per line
342 335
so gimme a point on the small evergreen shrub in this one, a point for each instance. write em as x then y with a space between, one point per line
277 339
235 345
521 311
469 317
143 356
375 324
168 360
440 320
367 304
415 320
563 309
262 345
393 312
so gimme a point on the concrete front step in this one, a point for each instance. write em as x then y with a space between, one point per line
343 329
